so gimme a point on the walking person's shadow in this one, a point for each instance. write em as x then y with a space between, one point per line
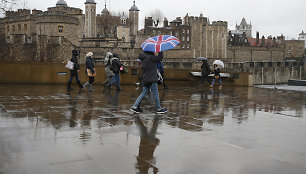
147 145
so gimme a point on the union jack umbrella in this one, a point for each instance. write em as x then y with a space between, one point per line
160 43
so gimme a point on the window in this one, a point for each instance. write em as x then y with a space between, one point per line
187 31
170 32
8 28
123 21
19 27
183 46
154 32
60 29
183 38
187 38
159 32
25 27
183 31
300 48
187 45
289 48
13 27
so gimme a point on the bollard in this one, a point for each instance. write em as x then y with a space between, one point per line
262 73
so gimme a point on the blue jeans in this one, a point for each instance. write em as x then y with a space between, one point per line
116 80
145 90
213 82
71 77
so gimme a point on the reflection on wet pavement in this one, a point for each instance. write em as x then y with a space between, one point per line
43 129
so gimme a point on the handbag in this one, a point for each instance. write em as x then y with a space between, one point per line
69 65
160 78
123 69
90 74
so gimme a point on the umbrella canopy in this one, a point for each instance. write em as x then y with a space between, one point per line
201 58
218 62
160 43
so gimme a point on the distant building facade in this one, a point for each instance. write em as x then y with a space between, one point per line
243 27
64 26
302 36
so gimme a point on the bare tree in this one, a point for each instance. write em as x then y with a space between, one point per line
7 5
157 17
107 25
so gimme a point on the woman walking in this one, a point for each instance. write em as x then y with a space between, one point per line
90 71
216 76
74 72
115 67
108 71
150 78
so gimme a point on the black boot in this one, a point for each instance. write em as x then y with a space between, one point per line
80 85
118 88
69 87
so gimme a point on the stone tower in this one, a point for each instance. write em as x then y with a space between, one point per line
244 27
90 18
133 19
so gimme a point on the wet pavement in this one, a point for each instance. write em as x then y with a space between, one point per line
234 131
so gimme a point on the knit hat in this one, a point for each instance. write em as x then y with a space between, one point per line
89 54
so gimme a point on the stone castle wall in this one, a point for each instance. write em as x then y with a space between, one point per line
253 54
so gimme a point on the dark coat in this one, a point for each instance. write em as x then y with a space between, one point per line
217 71
76 66
116 64
205 68
149 67
90 64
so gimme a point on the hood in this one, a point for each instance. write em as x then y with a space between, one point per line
108 54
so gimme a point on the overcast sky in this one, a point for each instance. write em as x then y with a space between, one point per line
269 17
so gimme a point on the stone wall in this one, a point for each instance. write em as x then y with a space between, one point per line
269 72
252 54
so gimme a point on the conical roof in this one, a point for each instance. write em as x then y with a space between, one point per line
105 10
134 8
61 3
243 22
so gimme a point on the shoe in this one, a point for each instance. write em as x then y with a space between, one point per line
85 85
119 89
136 110
90 88
161 111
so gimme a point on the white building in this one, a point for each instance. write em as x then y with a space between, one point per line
302 36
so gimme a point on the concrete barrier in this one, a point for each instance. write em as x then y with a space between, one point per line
49 73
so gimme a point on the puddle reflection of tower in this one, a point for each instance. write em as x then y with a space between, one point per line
147 145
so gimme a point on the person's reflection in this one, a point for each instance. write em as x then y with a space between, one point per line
147 145
73 111
85 121
216 108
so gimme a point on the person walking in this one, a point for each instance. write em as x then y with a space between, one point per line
90 71
217 76
108 71
115 67
74 72
205 72
150 78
